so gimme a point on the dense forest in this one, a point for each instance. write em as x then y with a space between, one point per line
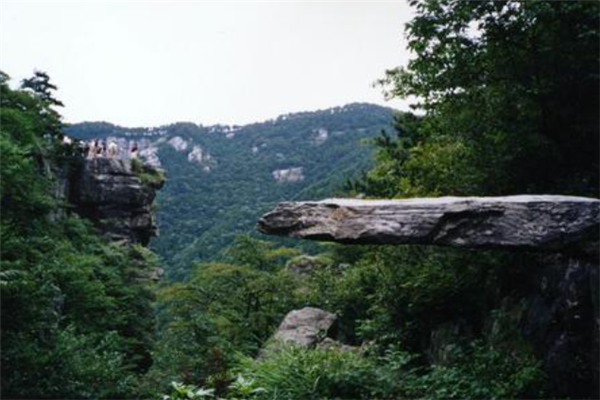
507 102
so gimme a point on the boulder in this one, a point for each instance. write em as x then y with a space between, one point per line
305 327
539 223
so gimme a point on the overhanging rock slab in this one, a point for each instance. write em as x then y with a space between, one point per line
541 222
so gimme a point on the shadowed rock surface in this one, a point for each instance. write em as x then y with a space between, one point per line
539 223
112 193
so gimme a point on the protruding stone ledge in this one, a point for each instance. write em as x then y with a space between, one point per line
540 223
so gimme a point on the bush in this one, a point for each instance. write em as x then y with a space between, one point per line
482 372
149 175
295 373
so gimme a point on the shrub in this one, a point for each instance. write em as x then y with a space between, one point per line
297 373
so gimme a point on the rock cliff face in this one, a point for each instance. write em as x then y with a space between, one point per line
117 194
562 315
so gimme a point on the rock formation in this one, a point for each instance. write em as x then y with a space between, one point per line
562 315
305 327
117 194
539 223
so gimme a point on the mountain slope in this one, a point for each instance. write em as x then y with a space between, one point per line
220 179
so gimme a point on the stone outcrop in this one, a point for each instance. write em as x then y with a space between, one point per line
305 327
562 312
117 194
539 223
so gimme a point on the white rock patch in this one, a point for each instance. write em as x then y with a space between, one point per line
198 155
288 175
320 135
178 143
150 156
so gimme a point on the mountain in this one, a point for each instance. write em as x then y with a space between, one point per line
220 179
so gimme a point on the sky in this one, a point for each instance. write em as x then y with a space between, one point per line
149 63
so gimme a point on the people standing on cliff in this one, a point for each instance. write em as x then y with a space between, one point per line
134 150
85 146
92 149
99 149
111 151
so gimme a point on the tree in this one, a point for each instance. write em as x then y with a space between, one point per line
508 89
76 319
42 88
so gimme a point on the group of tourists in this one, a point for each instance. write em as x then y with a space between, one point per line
101 149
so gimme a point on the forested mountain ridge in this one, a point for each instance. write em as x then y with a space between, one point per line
221 178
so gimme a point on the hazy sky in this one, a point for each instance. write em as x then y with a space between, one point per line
147 63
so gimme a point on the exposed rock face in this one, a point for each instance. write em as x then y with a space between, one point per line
150 156
114 197
305 327
320 135
178 143
288 175
562 317
548 223
201 157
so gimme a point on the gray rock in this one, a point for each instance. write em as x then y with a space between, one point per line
305 327
111 194
540 223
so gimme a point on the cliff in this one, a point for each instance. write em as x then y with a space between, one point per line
117 195
561 314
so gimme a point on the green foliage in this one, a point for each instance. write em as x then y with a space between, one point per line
476 372
482 373
384 295
188 392
499 117
294 373
243 388
222 309
261 254
153 177
76 317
